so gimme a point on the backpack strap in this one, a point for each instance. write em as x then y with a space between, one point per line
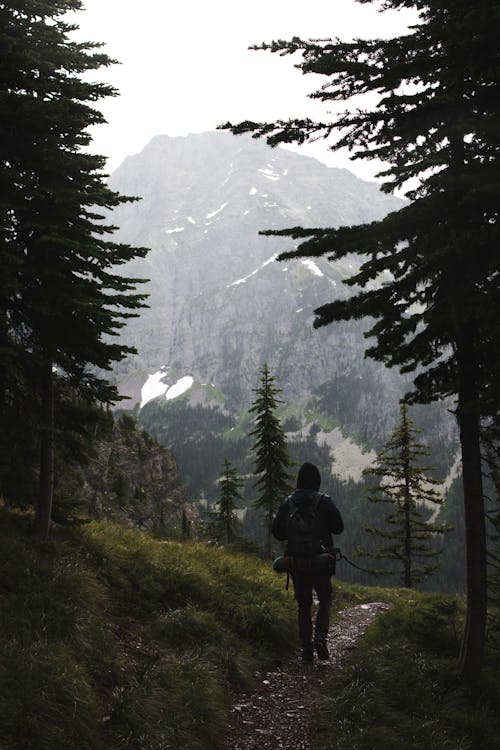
294 507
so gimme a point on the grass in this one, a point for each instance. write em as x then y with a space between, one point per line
110 639
240 430
326 423
401 689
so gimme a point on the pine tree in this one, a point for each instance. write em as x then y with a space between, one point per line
404 484
270 451
429 276
229 486
63 301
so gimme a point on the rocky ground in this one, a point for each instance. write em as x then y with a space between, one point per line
277 716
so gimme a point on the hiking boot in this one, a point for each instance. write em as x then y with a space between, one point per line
321 649
307 652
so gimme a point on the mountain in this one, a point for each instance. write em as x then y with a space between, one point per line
220 306
134 481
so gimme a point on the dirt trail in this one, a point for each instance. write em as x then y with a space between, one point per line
277 715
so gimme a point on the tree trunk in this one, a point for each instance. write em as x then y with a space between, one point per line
405 455
471 654
46 487
408 581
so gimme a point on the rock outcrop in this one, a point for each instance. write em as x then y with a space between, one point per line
135 481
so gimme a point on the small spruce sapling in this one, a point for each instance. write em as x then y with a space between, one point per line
272 459
229 484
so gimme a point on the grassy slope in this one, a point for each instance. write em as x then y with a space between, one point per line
400 689
110 640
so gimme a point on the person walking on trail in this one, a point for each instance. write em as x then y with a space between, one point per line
306 520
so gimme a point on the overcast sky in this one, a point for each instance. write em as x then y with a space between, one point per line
186 68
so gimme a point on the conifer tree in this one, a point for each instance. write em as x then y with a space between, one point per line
404 484
270 451
429 276
63 301
229 486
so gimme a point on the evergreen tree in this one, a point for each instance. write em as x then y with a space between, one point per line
229 485
270 451
62 302
408 532
429 277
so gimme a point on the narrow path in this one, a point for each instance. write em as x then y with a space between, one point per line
277 715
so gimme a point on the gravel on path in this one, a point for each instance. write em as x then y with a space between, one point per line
277 716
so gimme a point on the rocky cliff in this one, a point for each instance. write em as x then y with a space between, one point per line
133 480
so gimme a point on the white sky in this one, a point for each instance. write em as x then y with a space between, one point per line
186 68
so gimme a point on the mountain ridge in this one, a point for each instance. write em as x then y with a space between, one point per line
211 243
220 304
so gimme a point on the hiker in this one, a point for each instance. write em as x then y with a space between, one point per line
320 515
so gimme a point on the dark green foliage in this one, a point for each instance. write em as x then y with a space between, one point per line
291 424
272 460
195 436
105 468
229 486
62 302
353 403
411 539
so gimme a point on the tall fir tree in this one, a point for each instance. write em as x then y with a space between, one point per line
270 450
429 276
409 536
229 493
63 299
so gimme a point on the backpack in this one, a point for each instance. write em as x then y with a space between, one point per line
304 533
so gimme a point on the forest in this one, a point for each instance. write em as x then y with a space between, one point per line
132 616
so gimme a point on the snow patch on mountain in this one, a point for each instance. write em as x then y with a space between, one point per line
229 174
182 385
453 473
153 387
311 265
269 173
217 211
252 273
271 260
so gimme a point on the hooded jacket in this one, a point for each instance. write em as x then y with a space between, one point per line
329 516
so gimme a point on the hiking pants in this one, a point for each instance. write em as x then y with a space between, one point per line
303 585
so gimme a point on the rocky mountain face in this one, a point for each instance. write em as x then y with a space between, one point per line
220 304
134 481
